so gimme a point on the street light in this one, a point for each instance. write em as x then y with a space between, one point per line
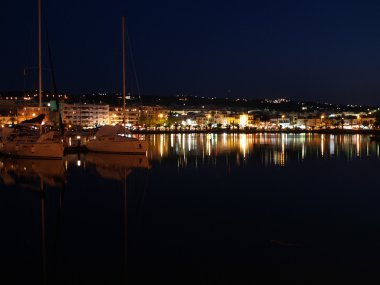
322 117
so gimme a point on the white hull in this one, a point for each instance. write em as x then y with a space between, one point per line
51 150
122 146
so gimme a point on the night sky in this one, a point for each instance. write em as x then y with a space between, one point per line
309 50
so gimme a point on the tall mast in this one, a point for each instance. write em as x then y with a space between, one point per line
39 54
124 59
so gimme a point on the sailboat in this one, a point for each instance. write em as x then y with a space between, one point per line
114 139
27 140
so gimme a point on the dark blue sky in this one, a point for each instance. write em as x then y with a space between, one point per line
310 50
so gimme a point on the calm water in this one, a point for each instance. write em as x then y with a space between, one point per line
199 209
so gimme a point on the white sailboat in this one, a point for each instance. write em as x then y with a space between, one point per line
22 143
114 139
27 140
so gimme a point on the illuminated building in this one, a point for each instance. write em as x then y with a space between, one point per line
85 115
30 112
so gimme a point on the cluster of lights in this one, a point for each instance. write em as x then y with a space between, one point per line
277 101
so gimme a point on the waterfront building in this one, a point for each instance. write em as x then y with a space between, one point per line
152 112
30 112
201 119
226 119
149 115
308 123
115 115
85 115
283 122
8 109
7 120
246 120
131 115
152 115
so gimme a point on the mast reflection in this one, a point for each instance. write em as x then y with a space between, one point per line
37 176
44 177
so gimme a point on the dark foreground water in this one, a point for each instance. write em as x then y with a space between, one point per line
199 209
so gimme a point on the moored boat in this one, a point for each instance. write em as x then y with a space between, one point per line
115 139
28 139
29 143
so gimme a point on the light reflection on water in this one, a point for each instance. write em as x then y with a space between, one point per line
195 150
198 150
75 219
269 148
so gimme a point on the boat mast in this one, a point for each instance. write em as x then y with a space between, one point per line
124 59
39 55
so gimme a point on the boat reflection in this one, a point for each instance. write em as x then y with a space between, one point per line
36 175
114 166
52 172
49 172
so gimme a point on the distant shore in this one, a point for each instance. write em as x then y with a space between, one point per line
251 131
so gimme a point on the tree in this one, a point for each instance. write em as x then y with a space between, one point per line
144 120
365 123
173 119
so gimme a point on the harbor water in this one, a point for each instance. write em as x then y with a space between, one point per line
197 209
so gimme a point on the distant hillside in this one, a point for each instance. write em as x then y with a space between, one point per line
195 102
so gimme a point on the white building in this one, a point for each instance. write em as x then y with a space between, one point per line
85 115
282 122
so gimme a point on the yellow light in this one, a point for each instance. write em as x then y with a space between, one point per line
243 144
34 114
243 120
322 117
283 116
78 137
160 116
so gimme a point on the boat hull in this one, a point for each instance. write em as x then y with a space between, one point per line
122 147
43 150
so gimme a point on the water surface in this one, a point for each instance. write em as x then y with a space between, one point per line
198 209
